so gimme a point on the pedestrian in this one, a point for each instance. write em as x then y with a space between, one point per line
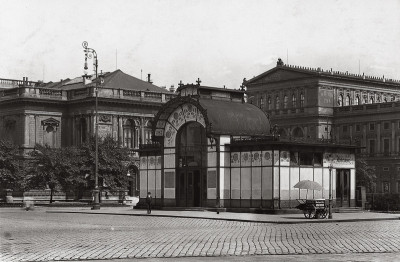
148 202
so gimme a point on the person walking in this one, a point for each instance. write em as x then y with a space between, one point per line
148 202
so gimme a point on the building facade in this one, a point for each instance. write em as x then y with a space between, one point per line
62 114
313 103
211 149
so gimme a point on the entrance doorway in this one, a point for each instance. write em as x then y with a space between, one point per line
343 187
191 158
189 193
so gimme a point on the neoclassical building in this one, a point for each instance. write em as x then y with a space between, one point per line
211 149
62 113
316 103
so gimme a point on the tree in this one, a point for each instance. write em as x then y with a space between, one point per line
11 174
57 169
365 174
111 158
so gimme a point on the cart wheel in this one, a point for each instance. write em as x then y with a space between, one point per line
309 213
324 213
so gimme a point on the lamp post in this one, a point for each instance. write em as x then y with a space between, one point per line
89 53
330 190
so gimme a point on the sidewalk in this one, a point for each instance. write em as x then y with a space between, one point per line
228 216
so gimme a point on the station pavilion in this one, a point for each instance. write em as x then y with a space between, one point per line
211 149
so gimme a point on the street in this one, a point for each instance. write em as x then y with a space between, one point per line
41 236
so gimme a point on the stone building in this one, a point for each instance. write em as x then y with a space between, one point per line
211 149
313 103
62 113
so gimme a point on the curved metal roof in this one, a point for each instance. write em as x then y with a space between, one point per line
221 117
233 118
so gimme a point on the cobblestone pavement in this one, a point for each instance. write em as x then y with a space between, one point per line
40 236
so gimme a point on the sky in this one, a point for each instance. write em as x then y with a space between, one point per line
219 41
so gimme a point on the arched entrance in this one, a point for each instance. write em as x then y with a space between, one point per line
191 160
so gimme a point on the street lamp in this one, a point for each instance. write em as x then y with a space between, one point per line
330 188
89 53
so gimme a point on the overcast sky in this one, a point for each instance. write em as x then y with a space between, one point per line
221 41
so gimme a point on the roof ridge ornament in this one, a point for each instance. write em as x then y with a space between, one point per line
279 62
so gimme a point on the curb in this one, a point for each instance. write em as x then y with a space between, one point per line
311 221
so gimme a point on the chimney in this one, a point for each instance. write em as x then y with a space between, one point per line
87 79
148 78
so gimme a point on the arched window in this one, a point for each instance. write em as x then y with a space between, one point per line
347 101
297 132
277 102
365 99
371 100
294 101
285 101
269 103
378 99
147 133
261 102
340 100
357 100
129 134
301 100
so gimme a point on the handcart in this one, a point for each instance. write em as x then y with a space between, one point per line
313 208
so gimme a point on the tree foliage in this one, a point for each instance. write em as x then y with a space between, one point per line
11 174
365 174
71 168
112 169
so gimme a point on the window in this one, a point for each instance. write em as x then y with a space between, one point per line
301 100
378 99
365 99
386 146
294 101
385 169
358 128
347 101
318 159
372 146
340 100
269 103
147 133
285 101
277 102
357 100
371 100
261 103
393 99
371 127
129 134
294 158
386 125
385 99
306 158
344 128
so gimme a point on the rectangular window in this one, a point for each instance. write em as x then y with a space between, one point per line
386 125
371 146
358 128
386 169
371 127
306 159
294 158
386 146
317 159
344 128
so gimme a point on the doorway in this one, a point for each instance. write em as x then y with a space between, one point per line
189 189
191 158
343 187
